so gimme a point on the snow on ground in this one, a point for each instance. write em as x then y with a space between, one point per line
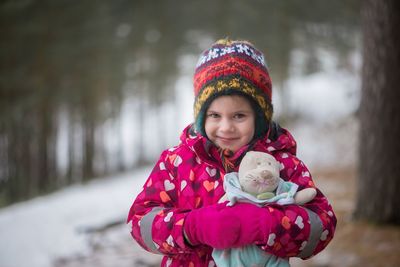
37 232
44 230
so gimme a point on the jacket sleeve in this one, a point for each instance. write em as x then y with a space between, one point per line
157 223
300 231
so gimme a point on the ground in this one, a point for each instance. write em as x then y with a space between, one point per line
355 243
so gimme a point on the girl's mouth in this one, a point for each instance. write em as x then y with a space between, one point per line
227 139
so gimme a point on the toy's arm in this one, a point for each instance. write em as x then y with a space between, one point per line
223 199
305 195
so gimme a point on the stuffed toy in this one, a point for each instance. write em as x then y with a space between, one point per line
258 182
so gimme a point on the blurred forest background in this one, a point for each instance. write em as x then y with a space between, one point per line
95 88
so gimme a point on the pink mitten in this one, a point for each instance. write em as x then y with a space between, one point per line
224 227
255 223
210 226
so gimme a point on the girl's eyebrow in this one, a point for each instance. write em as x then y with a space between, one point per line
236 111
242 111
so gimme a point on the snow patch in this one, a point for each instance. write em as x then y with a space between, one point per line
37 232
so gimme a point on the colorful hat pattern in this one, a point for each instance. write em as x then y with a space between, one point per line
230 67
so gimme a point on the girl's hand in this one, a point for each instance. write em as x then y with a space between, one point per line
224 227
211 226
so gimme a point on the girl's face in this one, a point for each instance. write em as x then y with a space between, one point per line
230 122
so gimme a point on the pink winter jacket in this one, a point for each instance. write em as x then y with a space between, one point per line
190 176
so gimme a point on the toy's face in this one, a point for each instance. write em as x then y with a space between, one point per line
258 173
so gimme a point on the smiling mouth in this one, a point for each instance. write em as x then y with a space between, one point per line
227 139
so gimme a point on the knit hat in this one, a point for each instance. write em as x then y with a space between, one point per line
233 68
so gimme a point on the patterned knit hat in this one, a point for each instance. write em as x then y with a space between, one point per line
233 68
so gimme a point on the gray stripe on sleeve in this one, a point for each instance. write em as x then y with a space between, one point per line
146 224
315 234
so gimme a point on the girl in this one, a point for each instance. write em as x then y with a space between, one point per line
177 213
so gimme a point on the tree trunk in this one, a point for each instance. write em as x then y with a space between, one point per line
89 148
378 197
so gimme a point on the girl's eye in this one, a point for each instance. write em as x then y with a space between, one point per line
213 115
239 116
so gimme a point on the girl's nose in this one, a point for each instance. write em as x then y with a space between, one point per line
226 125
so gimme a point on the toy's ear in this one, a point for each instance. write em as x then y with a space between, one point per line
248 163
276 168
